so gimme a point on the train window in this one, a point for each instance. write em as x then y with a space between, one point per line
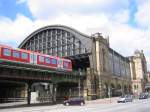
7 52
24 55
41 58
65 64
16 54
60 62
54 61
47 60
35 58
31 58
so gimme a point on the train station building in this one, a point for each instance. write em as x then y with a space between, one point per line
106 72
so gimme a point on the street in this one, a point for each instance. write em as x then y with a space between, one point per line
135 106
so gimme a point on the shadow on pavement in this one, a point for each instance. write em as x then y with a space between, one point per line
31 105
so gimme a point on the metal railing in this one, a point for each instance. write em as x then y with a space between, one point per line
8 100
79 73
44 99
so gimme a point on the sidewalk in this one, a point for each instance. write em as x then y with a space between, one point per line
103 101
24 104
3 105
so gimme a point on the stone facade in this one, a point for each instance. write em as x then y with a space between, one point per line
138 68
148 76
109 73
147 85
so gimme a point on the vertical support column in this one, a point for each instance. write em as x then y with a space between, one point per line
109 92
51 90
29 93
79 83
54 93
99 66
128 92
122 88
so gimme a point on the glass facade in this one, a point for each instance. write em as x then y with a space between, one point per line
56 42
118 65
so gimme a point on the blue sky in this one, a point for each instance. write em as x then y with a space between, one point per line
126 22
10 8
133 10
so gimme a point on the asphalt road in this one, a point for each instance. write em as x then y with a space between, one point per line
135 106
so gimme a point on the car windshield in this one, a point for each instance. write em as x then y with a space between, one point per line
142 94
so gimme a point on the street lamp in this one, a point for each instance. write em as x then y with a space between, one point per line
79 83
109 94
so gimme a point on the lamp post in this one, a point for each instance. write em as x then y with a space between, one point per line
109 94
70 92
79 83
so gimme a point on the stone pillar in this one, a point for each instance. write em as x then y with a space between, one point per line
29 93
88 84
23 91
54 93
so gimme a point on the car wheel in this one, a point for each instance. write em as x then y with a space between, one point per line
67 104
81 103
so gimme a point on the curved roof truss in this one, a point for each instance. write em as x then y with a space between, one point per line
57 40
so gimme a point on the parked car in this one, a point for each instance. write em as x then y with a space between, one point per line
144 96
125 98
74 101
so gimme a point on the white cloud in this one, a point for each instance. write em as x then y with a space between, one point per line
14 31
21 1
143 16
123 37
43 9
121 17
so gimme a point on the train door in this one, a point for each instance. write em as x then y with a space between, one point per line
33 58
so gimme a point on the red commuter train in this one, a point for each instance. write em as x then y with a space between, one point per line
25 56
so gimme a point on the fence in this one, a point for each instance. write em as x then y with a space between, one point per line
8 100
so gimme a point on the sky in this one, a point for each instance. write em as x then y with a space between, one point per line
126 22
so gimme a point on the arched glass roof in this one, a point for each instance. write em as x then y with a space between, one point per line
57 40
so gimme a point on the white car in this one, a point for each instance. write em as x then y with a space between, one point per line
125 98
